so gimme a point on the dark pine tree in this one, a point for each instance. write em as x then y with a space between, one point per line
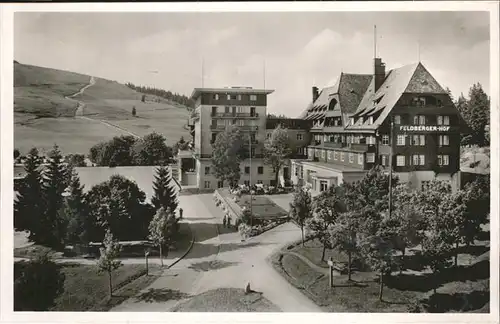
164 192
29 204
55 181
76 213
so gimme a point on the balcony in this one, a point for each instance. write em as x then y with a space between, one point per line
334 144
234 115
358 147
244 128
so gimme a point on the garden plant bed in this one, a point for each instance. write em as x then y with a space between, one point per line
262 207
462 289
87 290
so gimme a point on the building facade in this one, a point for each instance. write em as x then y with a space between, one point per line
243 107
351 130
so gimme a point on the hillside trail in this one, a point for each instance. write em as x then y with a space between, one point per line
81 105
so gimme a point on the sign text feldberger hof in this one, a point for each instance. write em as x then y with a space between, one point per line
424 128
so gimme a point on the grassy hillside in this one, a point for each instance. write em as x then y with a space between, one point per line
44 116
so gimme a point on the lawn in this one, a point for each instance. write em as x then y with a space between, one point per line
42 116
86 290
227 300
461 289
262 207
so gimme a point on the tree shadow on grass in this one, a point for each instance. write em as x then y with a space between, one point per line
441 303
427 281
211 265
483 236
474 250
161 295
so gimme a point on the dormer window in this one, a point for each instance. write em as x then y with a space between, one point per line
352 121
397 119
419 101
370 120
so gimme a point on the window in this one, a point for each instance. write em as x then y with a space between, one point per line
253 97
247 183
207 184
384 159
401 140
446 120
260 170
370 157
335 155
239 97
385 140
259 181
241 122
220 184
397 119
329 155
300 137
415 159
310 153
351 121
216 96
370 120
226 109
323 185
247 170
214 137
400 160
228 97
252 151
418 140
268 135
443 159
421 159
370 140
322 154
207 170
342 156
444 140
300 151
440 120
419 120
351 158
360 158
325 138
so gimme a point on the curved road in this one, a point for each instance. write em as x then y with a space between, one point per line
81 105
221 260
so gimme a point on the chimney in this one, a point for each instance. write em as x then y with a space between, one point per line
379 73
315 91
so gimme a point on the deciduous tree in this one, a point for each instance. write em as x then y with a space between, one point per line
229 149
161 230
301 208
343 236
151 150
37 284
108 260
326 209
435 251
277 149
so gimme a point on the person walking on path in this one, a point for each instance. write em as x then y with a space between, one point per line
180 212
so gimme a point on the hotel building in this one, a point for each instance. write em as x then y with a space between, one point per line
342 133
217 108
351 129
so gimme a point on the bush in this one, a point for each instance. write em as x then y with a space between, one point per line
37 284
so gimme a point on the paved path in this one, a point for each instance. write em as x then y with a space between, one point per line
221 260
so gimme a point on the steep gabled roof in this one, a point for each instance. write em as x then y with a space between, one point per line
395 84
352 88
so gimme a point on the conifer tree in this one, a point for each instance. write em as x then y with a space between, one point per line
28 207
75 212
55 181
164 193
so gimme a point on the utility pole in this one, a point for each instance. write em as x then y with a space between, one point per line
251 197
390 168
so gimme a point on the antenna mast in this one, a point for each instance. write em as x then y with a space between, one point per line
264 72
374 41
418 50
202 72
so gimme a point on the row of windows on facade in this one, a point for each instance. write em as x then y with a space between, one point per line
208 184
417 120
252 97
260 170
238 109
418 159
418 140
228 122
299 136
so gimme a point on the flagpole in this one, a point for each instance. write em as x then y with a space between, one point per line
390 169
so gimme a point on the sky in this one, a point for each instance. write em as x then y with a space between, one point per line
287 52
